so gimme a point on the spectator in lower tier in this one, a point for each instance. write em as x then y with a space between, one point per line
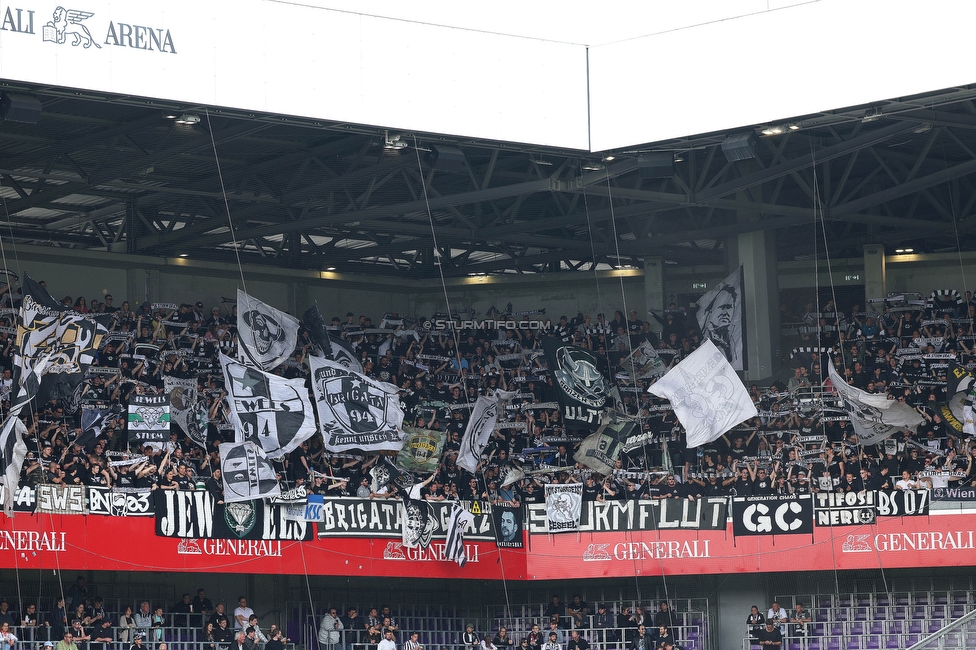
770 636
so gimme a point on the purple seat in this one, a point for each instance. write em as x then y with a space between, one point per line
864 601
836 629
918 612
911 639
857 629
882 600
861 614
793 646
935 626
892 641
958 610
833 643
854 643
899 612
921 599
873 642
960 599
915 627
877 627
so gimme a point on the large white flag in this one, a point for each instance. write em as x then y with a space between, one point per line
720 318
874 417
267 336
247 473
355 412
706 395
484 415
273 412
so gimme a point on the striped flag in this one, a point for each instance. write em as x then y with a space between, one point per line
484 415
12 446
454 546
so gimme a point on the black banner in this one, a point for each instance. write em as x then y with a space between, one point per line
120 503
845 508
898 503
508 523
581 384
195 514
350 517
707 513
772 515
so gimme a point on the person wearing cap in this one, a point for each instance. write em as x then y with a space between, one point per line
47 644
470 639
603 620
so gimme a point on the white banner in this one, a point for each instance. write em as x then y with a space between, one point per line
247 473
563 506
874 417
269 410
355 412
479 429
707 396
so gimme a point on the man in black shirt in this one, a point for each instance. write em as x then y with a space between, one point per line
770 636
201 603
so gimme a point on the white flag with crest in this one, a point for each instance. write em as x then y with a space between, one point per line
267 336
874 417
706 395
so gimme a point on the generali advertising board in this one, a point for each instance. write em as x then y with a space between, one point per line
79 542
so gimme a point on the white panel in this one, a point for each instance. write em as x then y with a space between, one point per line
776 65
311 62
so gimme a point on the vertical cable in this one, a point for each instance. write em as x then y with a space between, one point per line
223 192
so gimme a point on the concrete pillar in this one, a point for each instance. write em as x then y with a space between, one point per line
654 296
875 272
141 285
734 598
756 252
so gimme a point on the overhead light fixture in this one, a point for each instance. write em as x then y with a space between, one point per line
393 142
922 128
774 130
740 146
678 158
609 157
540 162
904 250
331 268
909 250
184 254
793 126
872 115
592 166
188 118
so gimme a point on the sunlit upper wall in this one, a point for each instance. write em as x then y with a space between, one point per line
278 57
775 65
578 75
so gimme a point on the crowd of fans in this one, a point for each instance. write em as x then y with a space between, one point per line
794 445
79 620
563 626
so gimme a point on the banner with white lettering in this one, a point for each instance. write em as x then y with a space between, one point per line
355 412
148 421
953 494
563 507
772 515
858 508
581 385
901 503
120 502
61 499
705 513
195 514
352 517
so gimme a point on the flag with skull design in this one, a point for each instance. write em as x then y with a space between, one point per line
581 383
267 336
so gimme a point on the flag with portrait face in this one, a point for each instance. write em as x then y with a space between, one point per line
266 336
417 519
720 317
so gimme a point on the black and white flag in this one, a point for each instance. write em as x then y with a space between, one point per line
273 412
720 317
355 412
874 417
185 408
46 325
267 336
484 415
247 472
582 387
331 347
564 503
385 473
707 396
417 520
599 450
13 450
454 544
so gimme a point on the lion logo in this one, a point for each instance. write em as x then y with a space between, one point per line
394 551
856 544
596 553
69 21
